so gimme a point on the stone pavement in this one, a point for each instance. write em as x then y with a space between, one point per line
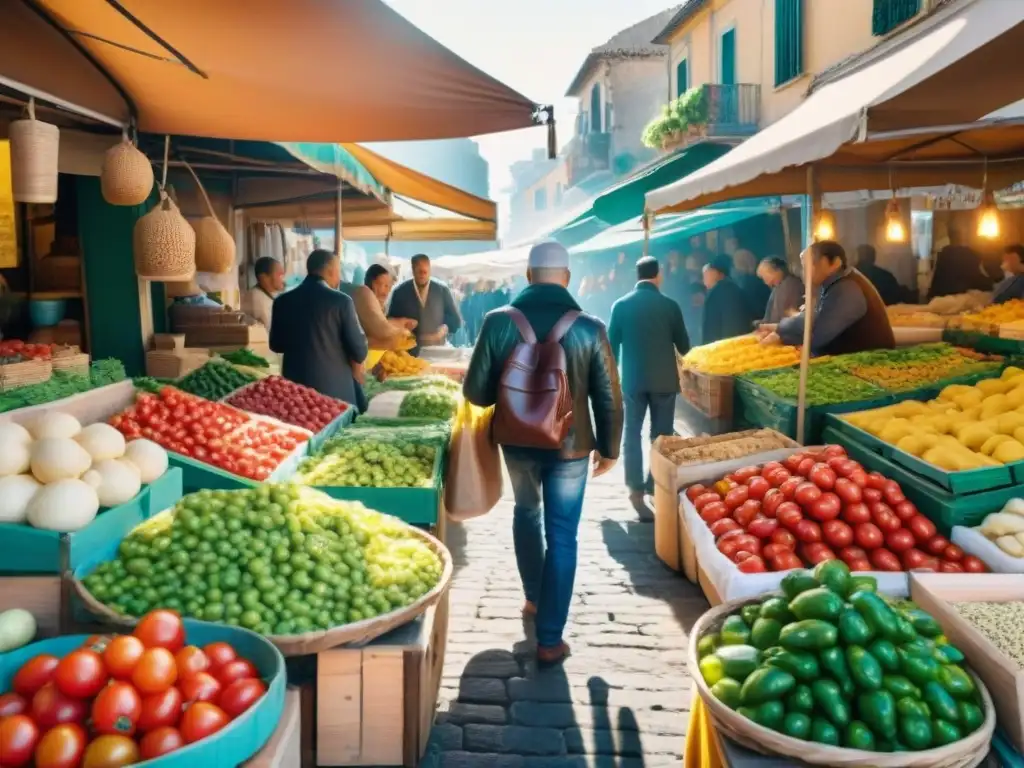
621 701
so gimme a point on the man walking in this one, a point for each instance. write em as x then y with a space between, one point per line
549 484
427 301
646 332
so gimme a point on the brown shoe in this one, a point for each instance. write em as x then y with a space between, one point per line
552 656
529 609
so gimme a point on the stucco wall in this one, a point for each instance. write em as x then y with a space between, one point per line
524 218
637 92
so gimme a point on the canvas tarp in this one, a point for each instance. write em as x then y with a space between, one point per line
954 67
305 70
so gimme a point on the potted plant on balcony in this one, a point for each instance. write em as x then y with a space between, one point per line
681 120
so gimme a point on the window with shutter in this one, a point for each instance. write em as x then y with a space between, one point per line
889 14
682 77
789 40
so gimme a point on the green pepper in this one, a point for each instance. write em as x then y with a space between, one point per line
727 691
803 666
735 631
797 725
886 654
905 630
947 654
770 714
940 702
749 613
824 732
957 682
800 700
920 647
862 584
915 732
797 581
738 661
834 662
944 732
853 629
859 736
878 710
834 574
908 706
864 668
766 684
808 635
712 669
924 623
879 616
830 701
820 603
707 644
777 608
971 716
900 686
918 670
765 633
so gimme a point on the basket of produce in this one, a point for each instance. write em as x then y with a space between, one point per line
289 402
432 403
214 381
828 672
410 383
105 700
738 355
16 372
62 385
399 363
919 367
308 572
66 358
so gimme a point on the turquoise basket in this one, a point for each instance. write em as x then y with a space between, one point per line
242 738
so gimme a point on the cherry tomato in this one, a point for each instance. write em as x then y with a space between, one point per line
61 747
837 533
200 720
789 486
855 514
191 660
97 643
81 674
817 552
936 545
884 560
694 491
807 531
953 553
50 707
699 503
752 564
160 742
868 536
784 539
806 494
161 629
762 527
899 540
12 704
789 515
714 512
913 558
922 528
201 686
758 488
155 672
34 674
971 564
723 526
771 502
242 694
18 739
219 654
116 710
111 751
785 561
826 507
160 709
746 512
121 656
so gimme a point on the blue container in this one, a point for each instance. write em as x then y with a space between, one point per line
46 312
242 738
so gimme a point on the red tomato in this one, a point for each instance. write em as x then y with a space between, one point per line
885 518
871 495
116 710
804 466
81 674
111 751
159 742
913 558
953 553
97 643
852 553
848 491
947 567
868 536
971 564
711 513
789 514
936 545
161 629
12 704
884 560
792 462
746 512
822 476
786 561
694 491
160 709
877 480
736 496
807 531
18 739
833 450
806 494
784 539
817 552
859 565
777 476
723 526
61 747
752 564
155 672
855 514
899 540
702 501
905 510
922 528
769 551
200 720
859 477
744 474
892 493
740 556
121 655
826 508
51 707
769 468
837 533
772 501
191 660
762 527
34 674
202 686
757 488
789 486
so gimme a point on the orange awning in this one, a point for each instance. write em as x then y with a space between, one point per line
304 70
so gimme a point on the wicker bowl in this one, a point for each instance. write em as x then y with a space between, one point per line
966 753
127 175
356 633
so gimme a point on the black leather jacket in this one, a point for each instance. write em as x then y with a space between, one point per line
593 376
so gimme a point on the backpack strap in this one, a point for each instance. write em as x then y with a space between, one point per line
525 329
562 326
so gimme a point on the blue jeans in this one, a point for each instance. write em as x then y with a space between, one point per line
663 410
549 501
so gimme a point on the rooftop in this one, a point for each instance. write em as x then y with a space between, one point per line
681 15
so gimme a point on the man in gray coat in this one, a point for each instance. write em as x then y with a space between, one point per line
787 294
646 332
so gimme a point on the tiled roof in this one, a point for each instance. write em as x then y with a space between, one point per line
682 14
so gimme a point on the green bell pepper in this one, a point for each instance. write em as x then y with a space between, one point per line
777 608
908 706
766 684
878 710
803 666
734 631
918 670
771 714
971 716
924 623
941 704
905 630
820 603
862 584
797 581
944 732
831 702
886 654
708 644
864 668
915 732
859 736
947 654
749 613
833 661
765 633
738 661
879 616
900 686
808 635
797 725
956 681
853 629
824 732
800 700
727 691
834 574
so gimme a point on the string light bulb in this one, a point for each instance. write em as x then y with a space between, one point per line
825 227
895 231
988 220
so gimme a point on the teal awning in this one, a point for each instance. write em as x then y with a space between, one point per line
332 159
625 200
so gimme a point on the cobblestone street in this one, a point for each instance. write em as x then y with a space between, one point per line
621 701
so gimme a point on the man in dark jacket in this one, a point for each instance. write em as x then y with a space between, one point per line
727 312
883 280
427 301
787 294
646 332
315 327
554 480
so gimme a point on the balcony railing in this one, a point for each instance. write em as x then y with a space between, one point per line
718 111
587 154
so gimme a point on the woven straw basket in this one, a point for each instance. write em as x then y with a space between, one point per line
215 248
357 633
127 175
34 153
968 752
164 244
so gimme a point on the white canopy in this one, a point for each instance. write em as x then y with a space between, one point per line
898 85
488 265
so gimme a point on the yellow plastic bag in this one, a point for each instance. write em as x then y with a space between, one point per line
473 480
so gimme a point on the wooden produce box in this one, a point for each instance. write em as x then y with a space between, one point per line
709 394
375 705
173 364
23 374
284 750
1004 678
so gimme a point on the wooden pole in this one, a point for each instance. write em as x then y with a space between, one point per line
805 349
338 245
647 221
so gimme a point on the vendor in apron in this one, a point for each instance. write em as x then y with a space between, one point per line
429 303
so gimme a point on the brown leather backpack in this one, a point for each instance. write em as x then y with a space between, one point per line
534 404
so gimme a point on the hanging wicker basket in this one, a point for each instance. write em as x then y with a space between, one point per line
34 154
164 244
127 176
215 247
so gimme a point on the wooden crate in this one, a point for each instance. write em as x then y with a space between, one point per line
687 550
71 362
23 374
284 750
375 705
711 395
42 596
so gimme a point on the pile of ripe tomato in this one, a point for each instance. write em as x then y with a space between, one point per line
121 699
290 402
822 506
17 348
210 432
